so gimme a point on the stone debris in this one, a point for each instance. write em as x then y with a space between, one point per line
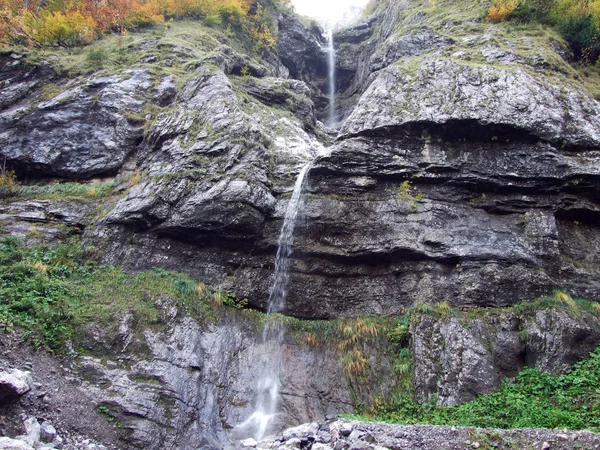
342 434
44 436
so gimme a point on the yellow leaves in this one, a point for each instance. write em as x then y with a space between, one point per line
8 178
263 37
594 8
354 336
355 363
500 9
76 22
143 13
41 267
311 339
201 290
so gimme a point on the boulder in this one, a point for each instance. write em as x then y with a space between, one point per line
7 443
13 384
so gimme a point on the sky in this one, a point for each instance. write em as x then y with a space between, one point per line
324 9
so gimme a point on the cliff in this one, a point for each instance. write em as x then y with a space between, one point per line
465 174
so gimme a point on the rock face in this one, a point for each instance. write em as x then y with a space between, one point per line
457 359
466 172
203 380
471 183
71 131
184 383
447 92
301 52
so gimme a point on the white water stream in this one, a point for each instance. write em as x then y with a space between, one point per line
269 382
331 121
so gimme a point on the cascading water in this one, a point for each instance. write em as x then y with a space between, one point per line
331 122
268 386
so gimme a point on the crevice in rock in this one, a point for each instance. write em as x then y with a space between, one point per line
451 130
579 215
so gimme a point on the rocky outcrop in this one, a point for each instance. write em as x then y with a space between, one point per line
446 92
196 381
344 434
301 52
75 131
183 382
456 358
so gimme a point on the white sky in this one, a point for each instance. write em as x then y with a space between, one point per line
324 9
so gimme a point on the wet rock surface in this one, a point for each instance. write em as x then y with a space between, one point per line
182 384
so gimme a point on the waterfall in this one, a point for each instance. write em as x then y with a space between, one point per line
331 122
269 382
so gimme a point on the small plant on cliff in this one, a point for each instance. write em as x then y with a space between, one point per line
8 181
406 193
355 335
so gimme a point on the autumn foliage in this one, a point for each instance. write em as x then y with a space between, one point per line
77 22
500 10
577 20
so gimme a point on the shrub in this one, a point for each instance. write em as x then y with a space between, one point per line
500 9
533 10
8 181
583 36
77 22
95 58
68 29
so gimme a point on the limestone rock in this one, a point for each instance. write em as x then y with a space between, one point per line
301 49
82 131
13 384
32 432
7 443
456 360
444 92
379 436
199 381
49 435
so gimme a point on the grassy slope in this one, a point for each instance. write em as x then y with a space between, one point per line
532 45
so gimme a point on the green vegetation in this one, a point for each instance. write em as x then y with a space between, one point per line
578 21
65 191
532 399
406 193
52 293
